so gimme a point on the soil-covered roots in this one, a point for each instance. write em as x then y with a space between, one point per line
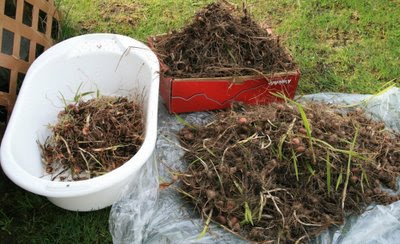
288 171
221 41
93 137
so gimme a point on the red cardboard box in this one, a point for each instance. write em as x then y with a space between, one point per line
201 94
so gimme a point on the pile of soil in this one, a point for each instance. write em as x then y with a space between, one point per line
93 137
221 41
255 170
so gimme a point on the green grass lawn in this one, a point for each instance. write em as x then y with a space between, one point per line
341 46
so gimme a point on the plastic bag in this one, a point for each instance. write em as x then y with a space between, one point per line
146 214
384 107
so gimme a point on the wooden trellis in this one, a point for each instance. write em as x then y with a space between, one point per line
27 29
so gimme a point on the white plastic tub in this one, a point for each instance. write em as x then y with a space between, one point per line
114 65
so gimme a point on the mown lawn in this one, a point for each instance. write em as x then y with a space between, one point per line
342 46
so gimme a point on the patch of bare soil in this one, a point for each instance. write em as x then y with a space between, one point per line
112 14
120 12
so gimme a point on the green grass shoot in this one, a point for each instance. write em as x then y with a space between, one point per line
283 138
363 178
339 180
310 169
307 127
183 192
218 175
362 182
238 187
77 92
364 175
64 100
247 214
304 119
348 168
280 146
383 89
296 170
5 222
184 122
262 204
208 149
194 161
97 93
81 95
203 233
78 95
348 152
328 172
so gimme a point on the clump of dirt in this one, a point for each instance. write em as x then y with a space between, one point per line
93 137
260 172
221 41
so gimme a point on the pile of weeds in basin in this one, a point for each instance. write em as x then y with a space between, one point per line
93 137
287 172
221 41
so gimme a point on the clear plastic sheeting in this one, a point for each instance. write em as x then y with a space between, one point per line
147 214
379 224
384 107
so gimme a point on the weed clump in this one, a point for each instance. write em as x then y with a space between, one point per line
221 41
93 137
287 172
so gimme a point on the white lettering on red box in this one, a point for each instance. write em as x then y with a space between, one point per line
280 82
